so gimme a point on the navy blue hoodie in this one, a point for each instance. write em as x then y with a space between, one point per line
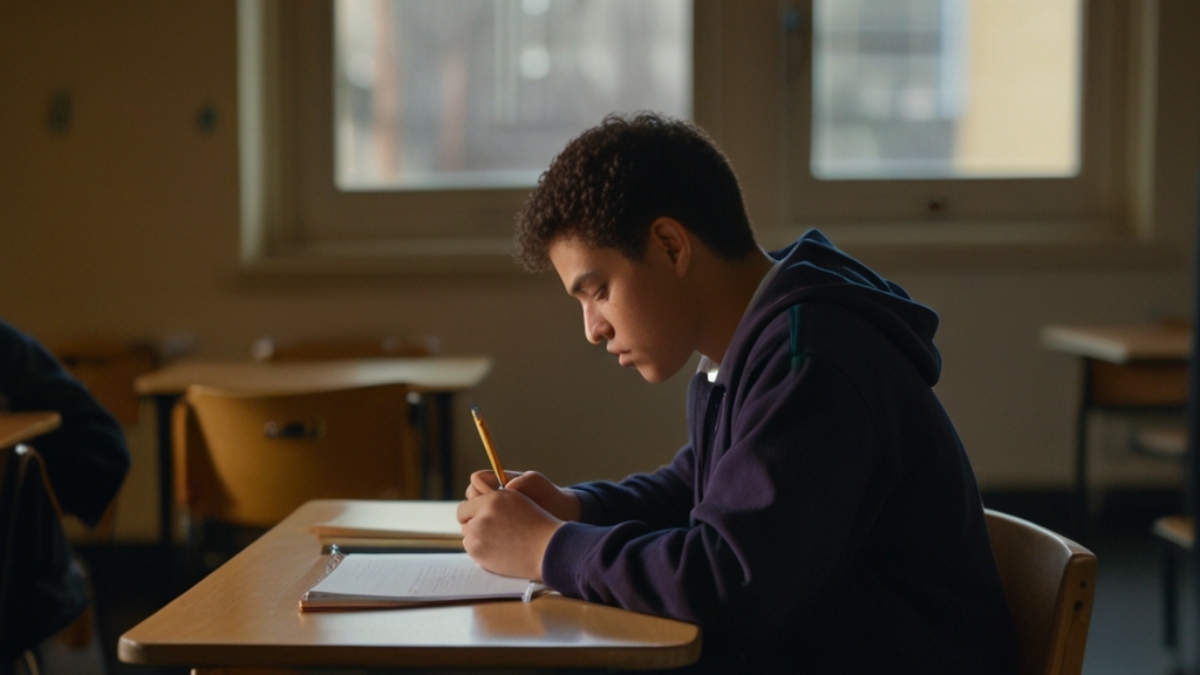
824 516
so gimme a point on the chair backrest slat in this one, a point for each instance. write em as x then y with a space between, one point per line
1050 583
252 459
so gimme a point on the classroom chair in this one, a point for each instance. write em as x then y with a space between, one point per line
1168 443
108 367
1177 536
30 513
1050 582
15 487
248 460
422 411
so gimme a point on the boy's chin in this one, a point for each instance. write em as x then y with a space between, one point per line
655 375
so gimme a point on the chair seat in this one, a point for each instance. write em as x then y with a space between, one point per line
1178 530
1178 534
1050 584
1163 443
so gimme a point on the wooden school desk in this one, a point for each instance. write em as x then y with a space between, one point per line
245 615
1124 368
18 427
436 377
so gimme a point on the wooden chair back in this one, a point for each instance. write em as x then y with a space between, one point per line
1050 583
14 468
251 459
108 367
30 516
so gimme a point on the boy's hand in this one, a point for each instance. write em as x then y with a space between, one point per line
562 503
507 533
484 482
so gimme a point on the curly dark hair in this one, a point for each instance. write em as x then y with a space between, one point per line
609 184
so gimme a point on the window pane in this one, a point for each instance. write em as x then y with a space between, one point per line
484 93
946 88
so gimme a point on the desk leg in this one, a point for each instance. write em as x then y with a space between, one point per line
1080 517
419 416
445 438
163 405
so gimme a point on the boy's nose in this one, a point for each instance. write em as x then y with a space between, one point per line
595 327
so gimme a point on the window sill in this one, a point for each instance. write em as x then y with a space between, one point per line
955 246
487 256
943 246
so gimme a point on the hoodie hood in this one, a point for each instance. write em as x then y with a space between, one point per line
814 270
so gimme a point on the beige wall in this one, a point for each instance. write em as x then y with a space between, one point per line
127 225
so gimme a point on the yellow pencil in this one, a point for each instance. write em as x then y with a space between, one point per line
487 444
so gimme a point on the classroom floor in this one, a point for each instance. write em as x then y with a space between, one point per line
1125 636
1127 623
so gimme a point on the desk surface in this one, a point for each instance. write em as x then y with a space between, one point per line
20 427
246 614
432 373
1120 344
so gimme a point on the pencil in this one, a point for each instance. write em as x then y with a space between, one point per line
487 444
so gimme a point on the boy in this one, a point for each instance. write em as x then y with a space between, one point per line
823 516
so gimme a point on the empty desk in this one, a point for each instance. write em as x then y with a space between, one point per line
1124 368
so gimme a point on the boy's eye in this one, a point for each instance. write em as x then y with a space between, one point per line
601 292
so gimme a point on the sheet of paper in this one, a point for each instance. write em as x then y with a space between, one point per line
409 519
418 577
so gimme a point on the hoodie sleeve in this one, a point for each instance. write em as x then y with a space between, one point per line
660 499
774 525
86 457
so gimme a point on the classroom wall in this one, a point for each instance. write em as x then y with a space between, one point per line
126 224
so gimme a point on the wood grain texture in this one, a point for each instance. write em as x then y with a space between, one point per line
22 426
1120 344
429 374
246 614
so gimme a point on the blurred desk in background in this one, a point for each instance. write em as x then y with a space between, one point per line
435 378
18 427
1125 368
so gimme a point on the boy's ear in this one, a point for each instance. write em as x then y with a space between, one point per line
670 236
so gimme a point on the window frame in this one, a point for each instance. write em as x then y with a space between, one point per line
1082 197
295 219
760 120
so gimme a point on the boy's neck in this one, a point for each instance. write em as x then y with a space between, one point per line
728 288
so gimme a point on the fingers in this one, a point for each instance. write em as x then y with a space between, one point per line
559 502
526 479
507 533
466 511
482 482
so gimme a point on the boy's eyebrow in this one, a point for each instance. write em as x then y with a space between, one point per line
581 281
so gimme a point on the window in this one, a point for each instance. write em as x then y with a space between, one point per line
483 93
874 119
907 89
413 130
977 112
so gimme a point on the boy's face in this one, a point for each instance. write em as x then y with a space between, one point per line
640 309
